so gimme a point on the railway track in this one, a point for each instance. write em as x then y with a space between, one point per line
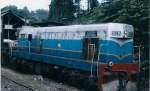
21 84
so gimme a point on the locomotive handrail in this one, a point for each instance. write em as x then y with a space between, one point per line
139 55
93 54
29 47
98 62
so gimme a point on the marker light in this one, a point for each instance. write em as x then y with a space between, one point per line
110 63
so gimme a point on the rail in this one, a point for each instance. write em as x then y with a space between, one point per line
20 84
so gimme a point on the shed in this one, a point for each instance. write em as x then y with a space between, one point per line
10 23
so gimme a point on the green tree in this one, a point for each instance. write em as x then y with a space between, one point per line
61 11
10 7
77 7
24 13
92 4
32 16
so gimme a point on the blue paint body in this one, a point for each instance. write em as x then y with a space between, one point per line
70 54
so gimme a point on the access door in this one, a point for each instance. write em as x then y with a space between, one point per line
37 44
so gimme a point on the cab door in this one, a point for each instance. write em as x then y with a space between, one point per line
90 45
37 44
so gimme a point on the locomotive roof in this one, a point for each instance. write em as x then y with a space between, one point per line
73 28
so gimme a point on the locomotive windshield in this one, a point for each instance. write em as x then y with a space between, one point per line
122 31
128 31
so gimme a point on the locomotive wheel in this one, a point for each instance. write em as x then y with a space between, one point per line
37 68
4 59
90 84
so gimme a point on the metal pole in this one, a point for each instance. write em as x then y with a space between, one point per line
139 57
98 62
93 54
0 40
11 51
139 53
8 24
0 22
88 5
29 46
8 34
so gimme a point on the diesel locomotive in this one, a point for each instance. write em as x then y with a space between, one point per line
97 49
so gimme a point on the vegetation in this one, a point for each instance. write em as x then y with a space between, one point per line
33 16
61 10
92 4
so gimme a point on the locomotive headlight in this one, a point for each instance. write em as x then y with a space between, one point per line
110 63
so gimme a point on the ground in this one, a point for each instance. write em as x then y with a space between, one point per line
37 82
32 82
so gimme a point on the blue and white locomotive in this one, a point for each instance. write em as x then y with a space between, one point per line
90 48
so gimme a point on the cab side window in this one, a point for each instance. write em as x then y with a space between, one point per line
22 36
30 37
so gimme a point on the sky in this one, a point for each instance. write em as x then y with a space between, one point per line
33 4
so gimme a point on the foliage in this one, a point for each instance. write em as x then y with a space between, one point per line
61 10
92 4
71 9
32 16
39 15
13 8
